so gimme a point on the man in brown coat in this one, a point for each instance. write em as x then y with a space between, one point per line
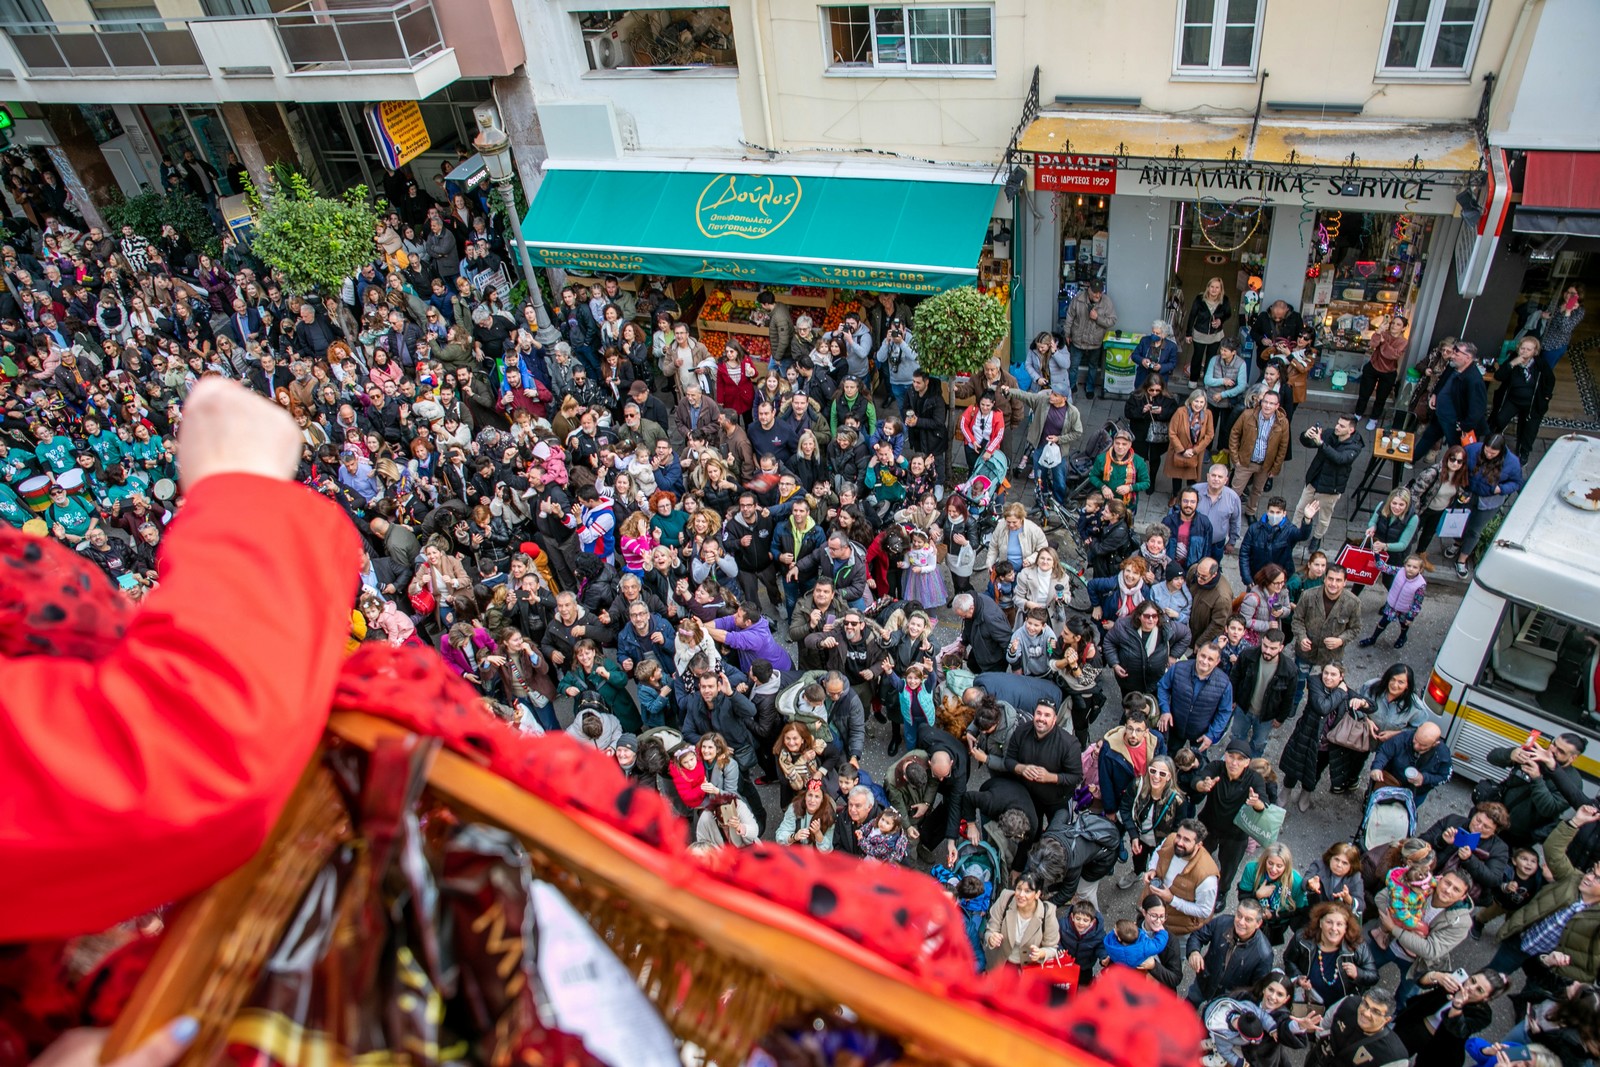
1255 460
1326 625
1213 601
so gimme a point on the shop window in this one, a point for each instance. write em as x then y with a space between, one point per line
1432 37
1218 37
1543 661
658 39
910 38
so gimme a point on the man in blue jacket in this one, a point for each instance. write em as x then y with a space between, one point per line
1271 539
1196 701
1189 533
1415 758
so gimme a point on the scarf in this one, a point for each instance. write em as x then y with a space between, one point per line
1127 470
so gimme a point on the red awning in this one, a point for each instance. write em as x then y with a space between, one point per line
1560 194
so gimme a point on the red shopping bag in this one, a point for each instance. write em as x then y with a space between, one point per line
1360 563
1062 972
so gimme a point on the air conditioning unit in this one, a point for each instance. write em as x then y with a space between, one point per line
607 48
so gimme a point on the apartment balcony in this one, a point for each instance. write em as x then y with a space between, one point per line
311 51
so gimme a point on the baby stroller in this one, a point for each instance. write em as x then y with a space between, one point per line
985 489
1390 815
1064 514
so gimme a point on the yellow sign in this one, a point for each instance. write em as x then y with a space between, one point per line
746 205
399 131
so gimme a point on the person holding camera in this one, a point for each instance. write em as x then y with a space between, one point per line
1329 472
897 353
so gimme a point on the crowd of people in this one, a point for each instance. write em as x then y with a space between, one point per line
728 573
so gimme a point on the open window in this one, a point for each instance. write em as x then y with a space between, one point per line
1544 661
662 39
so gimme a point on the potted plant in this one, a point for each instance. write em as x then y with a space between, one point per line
957 331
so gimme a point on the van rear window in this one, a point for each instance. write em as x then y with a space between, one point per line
1545 661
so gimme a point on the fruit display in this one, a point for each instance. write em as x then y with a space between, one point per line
837 312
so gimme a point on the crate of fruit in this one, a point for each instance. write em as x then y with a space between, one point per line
810 296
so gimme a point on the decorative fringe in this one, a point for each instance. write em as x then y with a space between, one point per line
316 823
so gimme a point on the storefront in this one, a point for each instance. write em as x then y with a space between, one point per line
817 236
1338 219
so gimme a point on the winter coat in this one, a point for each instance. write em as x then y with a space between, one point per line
1161 351
1535 804
1396 756
1446 932
1195 713
1230 964
1264 543
1200 532
1082 331
1487 867
1084 948
1242 442
613 689
1581 937
1190 468
1301 951
1210 609
1322 709
1316 619
1030 539
849 577
1329 471
1118 781
1039 407
1278 701
1124 647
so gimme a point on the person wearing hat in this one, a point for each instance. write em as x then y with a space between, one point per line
1089 317
650 406
1054 420
69 517
1120 473
1229 785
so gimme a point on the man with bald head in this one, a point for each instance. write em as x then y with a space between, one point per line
1417 759
1212 601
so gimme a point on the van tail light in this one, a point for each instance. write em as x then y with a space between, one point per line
1438 689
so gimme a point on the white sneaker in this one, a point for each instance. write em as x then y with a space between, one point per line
1372 424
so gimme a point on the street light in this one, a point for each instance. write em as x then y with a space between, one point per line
495 148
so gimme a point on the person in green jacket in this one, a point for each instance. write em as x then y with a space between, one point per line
1119 472
1575 956
592 671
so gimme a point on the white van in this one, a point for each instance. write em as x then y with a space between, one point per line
1523 651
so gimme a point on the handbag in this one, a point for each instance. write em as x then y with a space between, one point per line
1351 732
423 602
1063 971
1264 825
1158 433
1360 563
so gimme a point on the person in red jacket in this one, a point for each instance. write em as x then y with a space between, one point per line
140 771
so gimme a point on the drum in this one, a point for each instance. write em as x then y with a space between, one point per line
72 481
164 490
35 492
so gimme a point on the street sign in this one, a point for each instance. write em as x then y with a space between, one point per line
399 131
1074 174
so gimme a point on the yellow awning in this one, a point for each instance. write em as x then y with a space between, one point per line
1136 134
1376 144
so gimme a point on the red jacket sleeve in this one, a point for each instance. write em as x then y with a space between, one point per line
146 775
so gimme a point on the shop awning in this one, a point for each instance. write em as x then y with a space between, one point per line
1560 194
912 236
1302 141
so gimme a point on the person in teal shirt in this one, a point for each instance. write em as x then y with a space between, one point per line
54 450
148 452
69 517
12 509
18 466
102 442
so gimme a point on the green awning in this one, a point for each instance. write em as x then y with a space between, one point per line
867 233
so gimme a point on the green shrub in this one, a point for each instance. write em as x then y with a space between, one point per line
956 331
150 209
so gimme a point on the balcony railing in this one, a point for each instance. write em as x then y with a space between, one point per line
314 37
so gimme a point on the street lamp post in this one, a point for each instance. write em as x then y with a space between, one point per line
495 148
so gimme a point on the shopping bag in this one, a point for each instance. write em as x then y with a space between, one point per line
1062 972
1360 563
1453 523
1264 825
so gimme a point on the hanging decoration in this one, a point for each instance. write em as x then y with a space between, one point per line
1212 214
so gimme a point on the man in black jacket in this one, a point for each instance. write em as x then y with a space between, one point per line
1228 954
1329 472
1263 693
1542 784
747 537
939 828
927 417
1229 784
984 632
1459 402
716 707
1048 761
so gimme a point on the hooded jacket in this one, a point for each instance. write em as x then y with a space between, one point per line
1118 779
1267 542
849 576
1329 471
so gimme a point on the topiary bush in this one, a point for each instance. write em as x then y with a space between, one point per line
956 331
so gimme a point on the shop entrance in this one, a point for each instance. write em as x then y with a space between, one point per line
1207 239
1365 267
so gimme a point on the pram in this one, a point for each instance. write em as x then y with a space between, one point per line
1063 514
1390 816
985 490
